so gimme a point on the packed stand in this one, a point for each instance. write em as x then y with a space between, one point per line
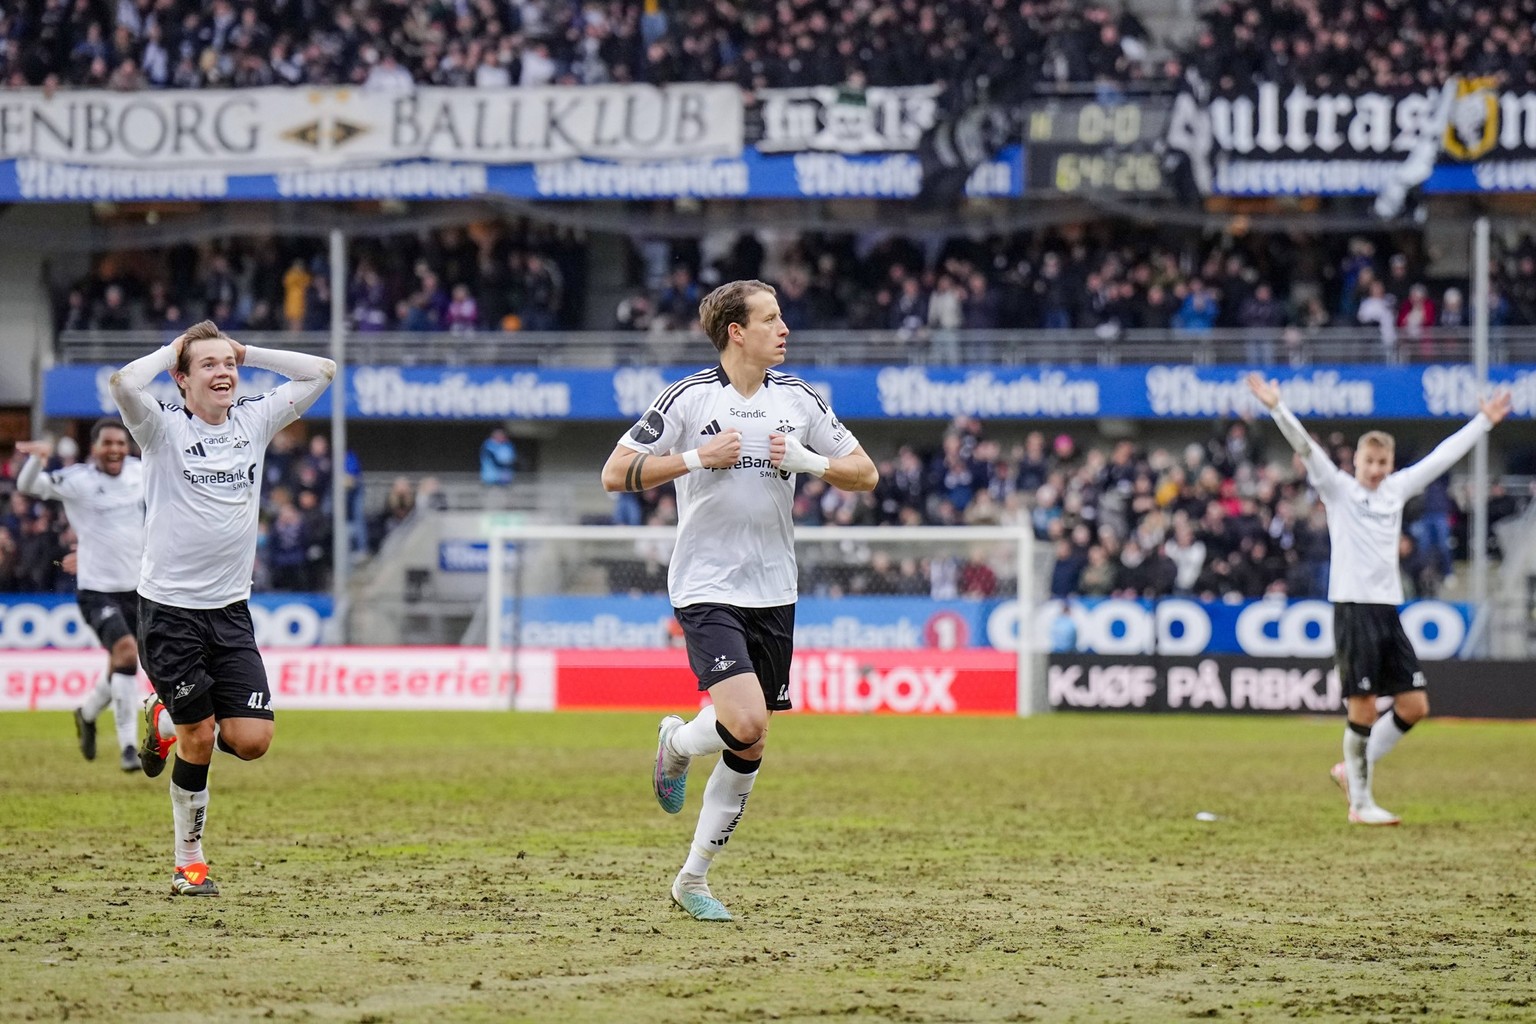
293 550
494 276
1278 291
1352 46
389 45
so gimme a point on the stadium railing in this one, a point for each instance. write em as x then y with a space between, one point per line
1291 347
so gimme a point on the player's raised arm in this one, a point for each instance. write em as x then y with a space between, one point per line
1491 412
308 375
32 480
133 401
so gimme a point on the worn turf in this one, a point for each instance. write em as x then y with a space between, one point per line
500 867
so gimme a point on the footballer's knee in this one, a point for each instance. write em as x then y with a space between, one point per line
245 738
247 749
125 655
1412 707
745 733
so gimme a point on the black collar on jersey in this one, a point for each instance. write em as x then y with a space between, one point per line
725 378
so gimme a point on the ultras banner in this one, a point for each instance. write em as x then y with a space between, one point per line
1467 135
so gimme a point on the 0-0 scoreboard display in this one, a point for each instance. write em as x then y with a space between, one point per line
1078 146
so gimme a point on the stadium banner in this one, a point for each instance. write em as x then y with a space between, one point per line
1356 391
833 682
319 678
1465 135
460 679
31 622
837 119
1273 627
276 131
821 681
747 175
1270 686
1266 628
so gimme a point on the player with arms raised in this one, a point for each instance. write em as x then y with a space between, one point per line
203 470
1365 521
732 437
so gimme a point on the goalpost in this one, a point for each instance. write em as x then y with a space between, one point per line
922 589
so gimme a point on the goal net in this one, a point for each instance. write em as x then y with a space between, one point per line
890 619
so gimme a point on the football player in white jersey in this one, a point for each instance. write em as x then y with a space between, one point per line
202 487
1365 521
732 437
104 500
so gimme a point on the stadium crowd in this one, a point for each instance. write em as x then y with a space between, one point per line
490 276
498 276
392 45
1089 277
1357 45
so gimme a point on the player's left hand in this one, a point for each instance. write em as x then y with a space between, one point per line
1266 391
791 456
1497 406
239 352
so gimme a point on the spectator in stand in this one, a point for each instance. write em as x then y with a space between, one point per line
1416 320
296 284
1067 569
463 313
1380 308
498 459
1262 316
1452 315
1197 312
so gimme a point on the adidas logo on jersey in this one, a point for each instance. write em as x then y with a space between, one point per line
711 428
721 664
196 449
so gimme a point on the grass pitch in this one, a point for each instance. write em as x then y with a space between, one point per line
411 867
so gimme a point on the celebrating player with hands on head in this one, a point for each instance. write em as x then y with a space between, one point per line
733 437
1365 521
203 470
104 500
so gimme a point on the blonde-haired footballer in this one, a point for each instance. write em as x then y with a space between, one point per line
202 490
1365 521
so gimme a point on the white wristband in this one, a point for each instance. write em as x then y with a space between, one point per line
691 460
819 464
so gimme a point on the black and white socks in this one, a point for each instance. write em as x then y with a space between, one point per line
725 801
1389 728
189 808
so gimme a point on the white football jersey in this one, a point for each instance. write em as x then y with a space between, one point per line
202 483
107 513
1364 526
735 536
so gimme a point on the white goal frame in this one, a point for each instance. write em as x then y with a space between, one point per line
501 532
